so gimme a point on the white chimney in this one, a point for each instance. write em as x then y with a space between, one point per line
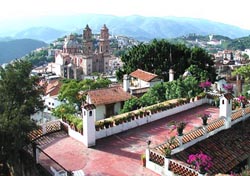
126 83
171 75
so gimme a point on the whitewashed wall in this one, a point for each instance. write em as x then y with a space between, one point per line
150 118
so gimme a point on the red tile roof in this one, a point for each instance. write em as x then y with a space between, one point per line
108 96
53 87
227 149
143 75
89 106
228 96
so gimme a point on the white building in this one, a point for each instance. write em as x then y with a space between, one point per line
51 101
108 101
139 81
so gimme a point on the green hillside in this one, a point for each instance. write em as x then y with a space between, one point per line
13 49
240 43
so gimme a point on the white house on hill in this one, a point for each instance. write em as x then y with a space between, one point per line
139 81
51 101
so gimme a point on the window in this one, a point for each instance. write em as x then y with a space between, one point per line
222 101
90 113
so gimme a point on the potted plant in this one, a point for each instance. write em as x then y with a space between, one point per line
167 148
107 123
99 125
141 113
179 126
117 121
80 127
143 159
129 116
204 118
242 100
167 152
235 104
200 161
217 101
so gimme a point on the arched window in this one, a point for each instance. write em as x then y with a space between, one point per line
90 113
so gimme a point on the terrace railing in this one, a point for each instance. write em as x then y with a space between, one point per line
157 161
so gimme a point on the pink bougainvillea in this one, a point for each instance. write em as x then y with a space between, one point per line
228 87
200 160
241 98
205 84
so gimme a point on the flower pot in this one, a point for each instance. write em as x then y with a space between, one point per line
97 128
143 159
202 170
180 131
204 121
242 105
144 162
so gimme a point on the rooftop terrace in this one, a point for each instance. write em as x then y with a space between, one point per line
118 154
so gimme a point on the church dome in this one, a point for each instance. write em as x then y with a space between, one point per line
71 43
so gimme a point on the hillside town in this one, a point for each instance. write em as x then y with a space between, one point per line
158 119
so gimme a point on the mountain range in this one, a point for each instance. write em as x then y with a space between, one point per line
13 49
139 27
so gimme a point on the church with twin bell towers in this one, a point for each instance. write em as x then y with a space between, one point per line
77 60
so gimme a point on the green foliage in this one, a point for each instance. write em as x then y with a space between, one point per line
180 88
20 97
246 88
240 43
64 109
160 55
153 96
130 105
71 89
200 74
38 58
243 71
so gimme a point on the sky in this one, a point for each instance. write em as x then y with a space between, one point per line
225 11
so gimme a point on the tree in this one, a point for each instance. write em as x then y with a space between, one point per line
245 56
63 110
181 88
130 105
243 71
160 55
20 97
198 73
71 89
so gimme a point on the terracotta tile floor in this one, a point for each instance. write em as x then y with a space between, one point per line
119 155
